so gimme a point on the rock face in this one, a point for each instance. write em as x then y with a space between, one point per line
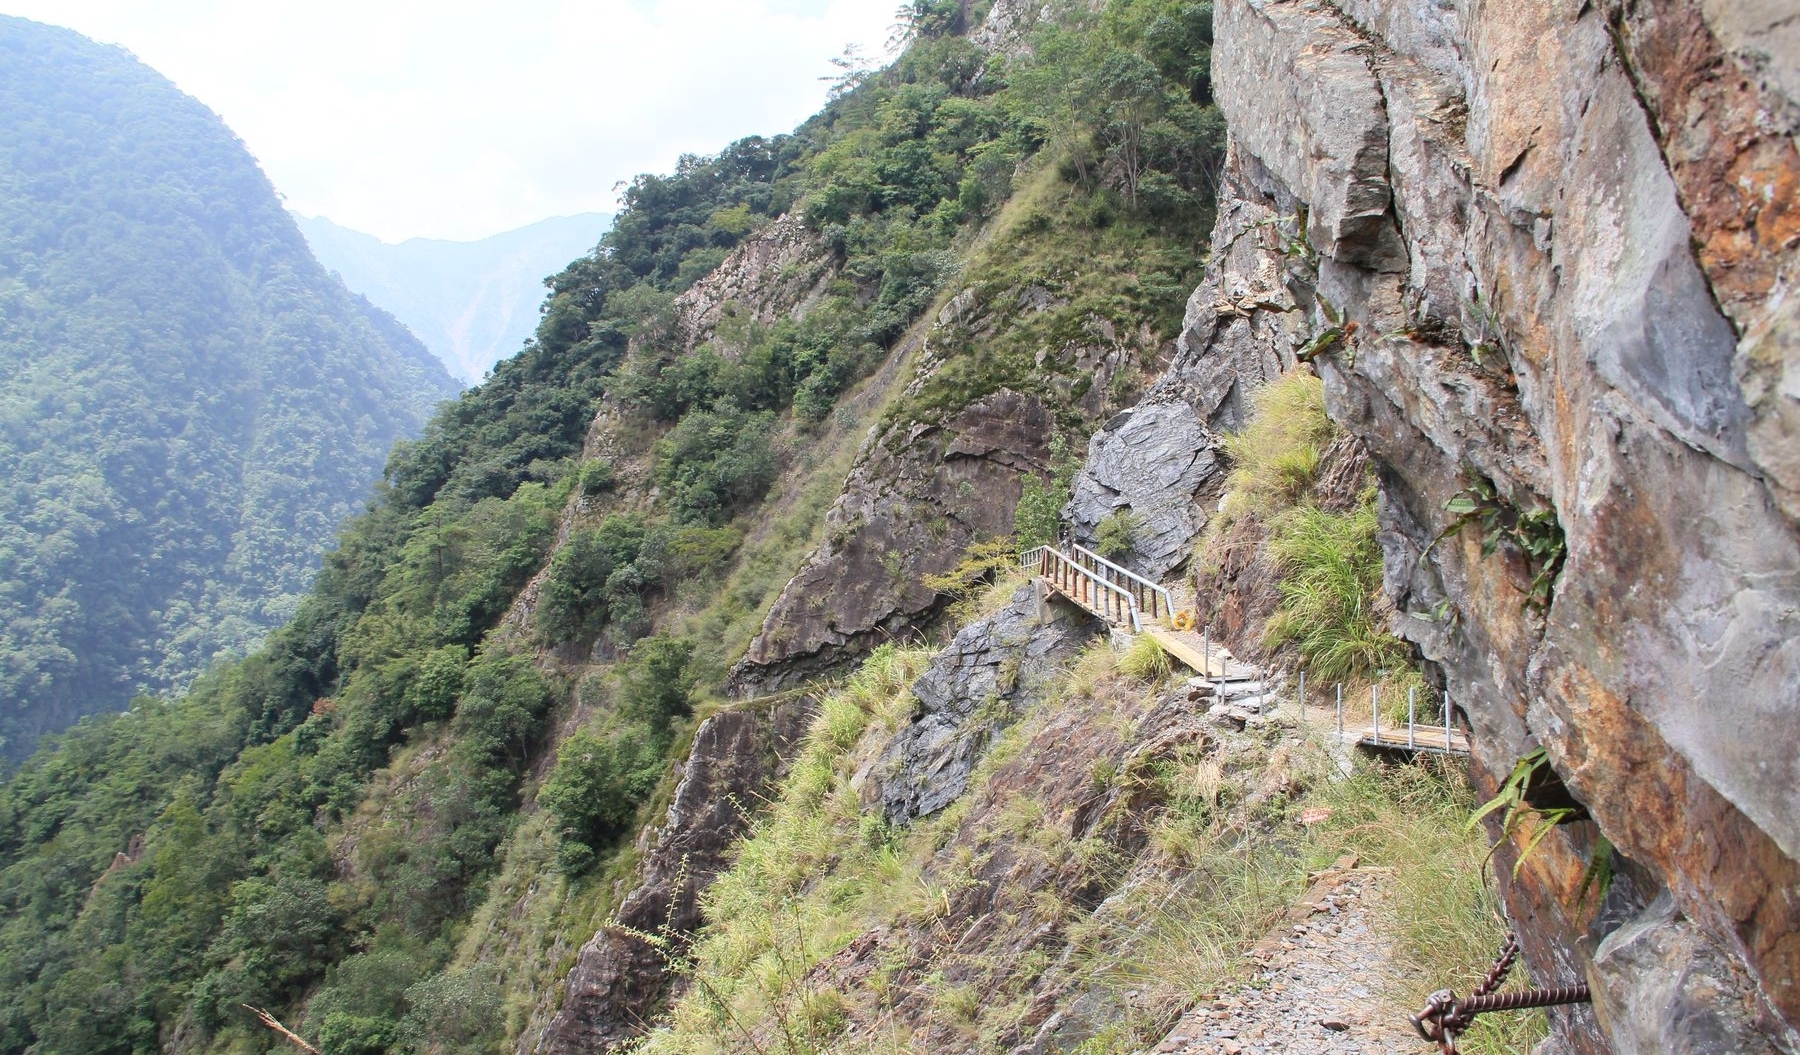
994 667
1160 460
1151 463
619 978
1541 257
919 495
775 273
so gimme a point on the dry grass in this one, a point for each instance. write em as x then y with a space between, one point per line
1444 917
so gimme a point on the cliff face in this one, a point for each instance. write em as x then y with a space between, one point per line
1541 257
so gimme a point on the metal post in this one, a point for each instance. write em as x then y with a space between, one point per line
1412 720
1206 650
1340 710
1300 700
1375 713
1446 721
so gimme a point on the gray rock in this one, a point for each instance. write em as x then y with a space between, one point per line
1153 462
992 668
1308 105
1660 988
1552 225
918 496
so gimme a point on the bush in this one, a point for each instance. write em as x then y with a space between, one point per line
595 478
715 463
1114 535
597 785
592 576
502 711
656 683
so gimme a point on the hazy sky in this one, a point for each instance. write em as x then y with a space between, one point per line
462 118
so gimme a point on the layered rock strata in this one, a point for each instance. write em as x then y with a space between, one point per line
1541 256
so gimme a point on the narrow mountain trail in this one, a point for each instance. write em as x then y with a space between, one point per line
1314 982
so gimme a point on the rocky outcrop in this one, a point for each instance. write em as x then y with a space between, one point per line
919 495
620 977
1160 461
777 272
994 667
1151 464
1541 257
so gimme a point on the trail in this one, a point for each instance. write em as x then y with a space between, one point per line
1314 985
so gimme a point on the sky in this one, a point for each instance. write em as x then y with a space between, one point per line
464 118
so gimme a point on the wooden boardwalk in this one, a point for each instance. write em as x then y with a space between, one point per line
1414 738
1098 586
1203 657
1131 602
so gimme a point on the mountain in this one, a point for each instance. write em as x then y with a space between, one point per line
191 403
472 303
701 681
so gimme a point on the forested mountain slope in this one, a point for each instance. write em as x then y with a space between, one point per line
191 404
394 824
472 303
603 730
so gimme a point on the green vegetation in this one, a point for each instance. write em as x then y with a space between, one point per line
1537 534
1146 661
191 404
1228 831
1445 916
339 827
1331 578
1327 561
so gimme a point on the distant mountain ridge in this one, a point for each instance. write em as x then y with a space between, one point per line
472 303
191 405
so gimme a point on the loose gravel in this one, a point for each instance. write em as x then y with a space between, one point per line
1315 984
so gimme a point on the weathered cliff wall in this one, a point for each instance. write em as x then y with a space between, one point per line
1542 255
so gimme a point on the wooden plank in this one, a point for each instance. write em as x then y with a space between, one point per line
1212 666
1425 738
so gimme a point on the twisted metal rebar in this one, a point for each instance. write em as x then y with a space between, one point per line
1445 1015
1503 965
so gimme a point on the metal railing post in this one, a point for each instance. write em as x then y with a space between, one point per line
1375 713
1412 719
1340 710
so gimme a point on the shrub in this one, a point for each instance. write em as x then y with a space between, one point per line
595 478
597 785
656 684
1114 535
715 463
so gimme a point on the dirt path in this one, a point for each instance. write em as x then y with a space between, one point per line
1315 983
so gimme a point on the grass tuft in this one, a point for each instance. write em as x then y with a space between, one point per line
1146 661
1330 577
1276 456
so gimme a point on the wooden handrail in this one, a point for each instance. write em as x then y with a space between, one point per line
1152 599
1089 588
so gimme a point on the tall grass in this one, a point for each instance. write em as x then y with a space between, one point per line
1443 917
1330 571
1276 456
812 874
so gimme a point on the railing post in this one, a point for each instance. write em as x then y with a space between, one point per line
1340 710
1412 718
1446 721
1300 697
1375 713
